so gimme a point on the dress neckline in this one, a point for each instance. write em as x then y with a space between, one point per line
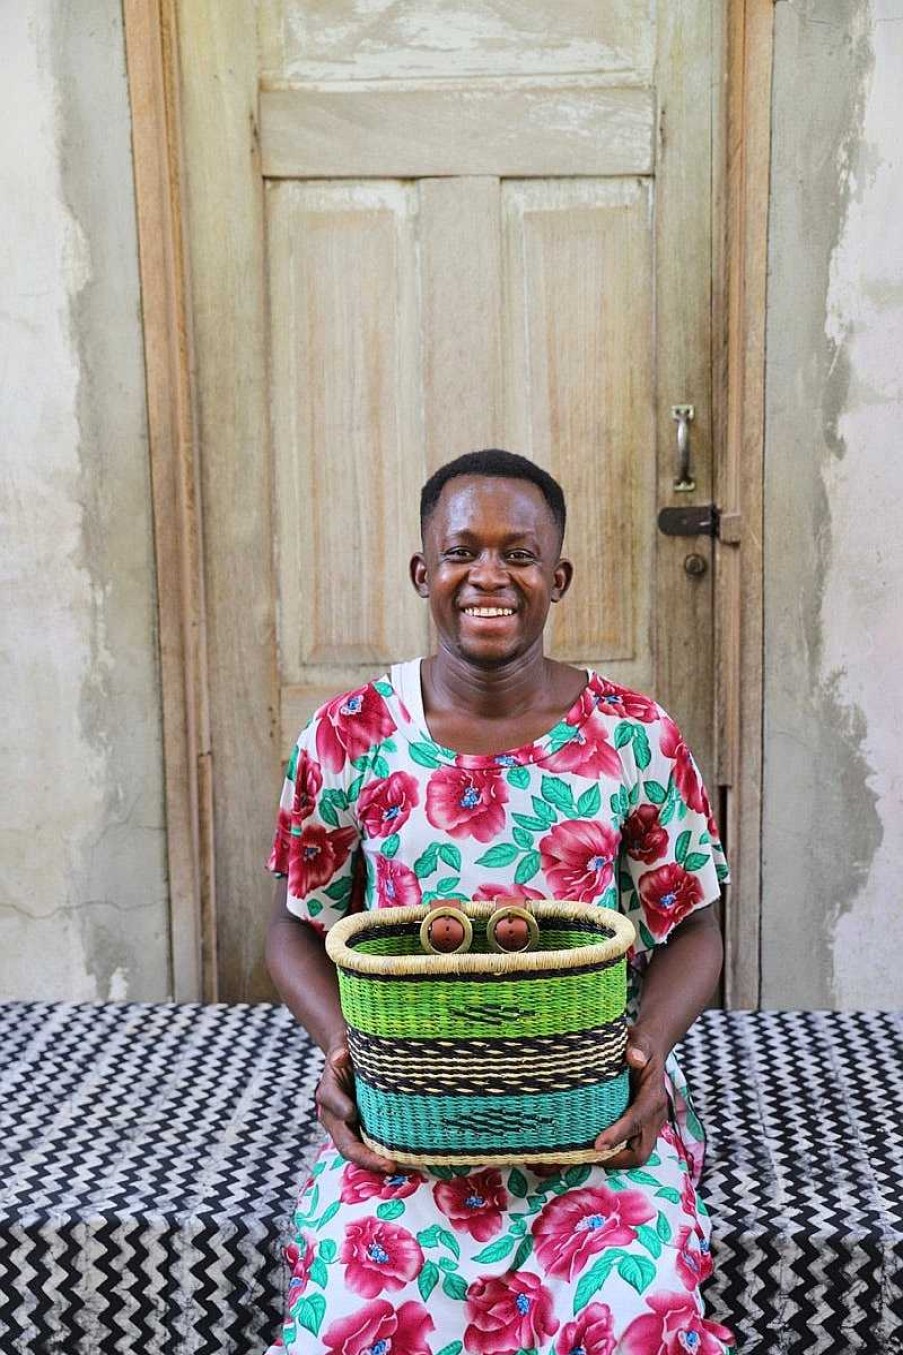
405 681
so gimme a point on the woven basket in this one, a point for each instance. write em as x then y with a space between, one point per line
477 1058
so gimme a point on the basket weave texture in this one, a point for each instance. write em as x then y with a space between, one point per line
481 1057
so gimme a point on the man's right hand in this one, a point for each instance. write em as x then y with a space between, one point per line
337 1112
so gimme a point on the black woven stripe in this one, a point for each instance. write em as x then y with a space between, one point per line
517 1083
511 976
476 1046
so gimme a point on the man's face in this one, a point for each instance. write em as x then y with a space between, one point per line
490 567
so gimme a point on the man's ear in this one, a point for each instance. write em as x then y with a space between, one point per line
561 579
420 575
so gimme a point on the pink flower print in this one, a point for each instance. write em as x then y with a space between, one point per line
384 806
686 776
572 1228
589 753
396 884
379 1256
308 784
644 837
358 1184
473 1203
350 725
592 1333
316 856
674 1327
508 1314
380 1329
694 1258
688 1196
669 894
610 699
577 859
299 1256
518 894
467 802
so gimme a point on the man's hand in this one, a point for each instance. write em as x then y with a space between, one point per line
648 1110
338 1115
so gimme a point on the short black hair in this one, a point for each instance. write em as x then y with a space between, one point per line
494 462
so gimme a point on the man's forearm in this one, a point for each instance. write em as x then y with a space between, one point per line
304 975
681 979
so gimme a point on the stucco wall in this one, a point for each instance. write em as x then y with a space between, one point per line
83 899
833 830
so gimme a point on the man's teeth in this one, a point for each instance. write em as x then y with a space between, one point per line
489 611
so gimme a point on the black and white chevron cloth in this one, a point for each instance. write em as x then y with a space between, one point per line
149 1158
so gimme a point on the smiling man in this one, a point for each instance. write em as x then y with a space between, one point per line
487 770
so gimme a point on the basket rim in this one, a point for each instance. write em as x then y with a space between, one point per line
345 957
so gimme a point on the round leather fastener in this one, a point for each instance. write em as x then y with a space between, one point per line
454 931
520 930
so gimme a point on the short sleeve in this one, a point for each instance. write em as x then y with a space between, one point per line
672 861
316 843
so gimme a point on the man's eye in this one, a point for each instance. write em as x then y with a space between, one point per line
457 553
521 557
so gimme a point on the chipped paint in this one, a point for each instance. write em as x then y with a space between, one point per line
823 816
83 909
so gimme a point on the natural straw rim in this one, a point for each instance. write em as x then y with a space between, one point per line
527 1158
345 957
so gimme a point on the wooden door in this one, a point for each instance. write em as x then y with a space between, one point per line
416 228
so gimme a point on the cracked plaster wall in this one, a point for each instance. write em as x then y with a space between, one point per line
83 891
832 931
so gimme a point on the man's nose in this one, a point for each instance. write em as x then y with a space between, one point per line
489 570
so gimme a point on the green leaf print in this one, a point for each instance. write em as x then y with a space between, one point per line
721 870
389 1210
328 1214
666 813
518 777
379 766
655 792
642 1178
496 1250
633 795
523 839
704 839
527 868
448 884
681 846
518 1225
641 748
384 688
650 1239
453 1348
646 936
424 755
523 1252
576 1175
318 1273
560 735
390 846
427 1279
429 1237
502 854
447 1264
589 802
668 1193
310 1312
327 1250
340 889
663 1227
696 860
653 1160
329 805
455 1287
427 862
292 765
623 734
527 821
637 1272
559 794
314 906
694 1126
310 1205
354 789
449 1240
595 1277
450 854
517 1183
543 810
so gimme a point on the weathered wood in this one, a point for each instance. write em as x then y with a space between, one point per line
224 209
739 603
347 40
578 293
684 631
156 152
419 131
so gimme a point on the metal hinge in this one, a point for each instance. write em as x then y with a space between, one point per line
704 519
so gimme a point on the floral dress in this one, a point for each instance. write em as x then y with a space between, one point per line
607 808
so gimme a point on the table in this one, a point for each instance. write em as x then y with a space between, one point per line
150 1156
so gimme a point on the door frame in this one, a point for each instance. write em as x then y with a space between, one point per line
184 407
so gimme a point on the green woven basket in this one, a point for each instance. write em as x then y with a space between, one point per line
476 1058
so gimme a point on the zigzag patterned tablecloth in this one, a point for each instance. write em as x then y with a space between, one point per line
149 1157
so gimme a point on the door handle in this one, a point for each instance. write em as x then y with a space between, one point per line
683 415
